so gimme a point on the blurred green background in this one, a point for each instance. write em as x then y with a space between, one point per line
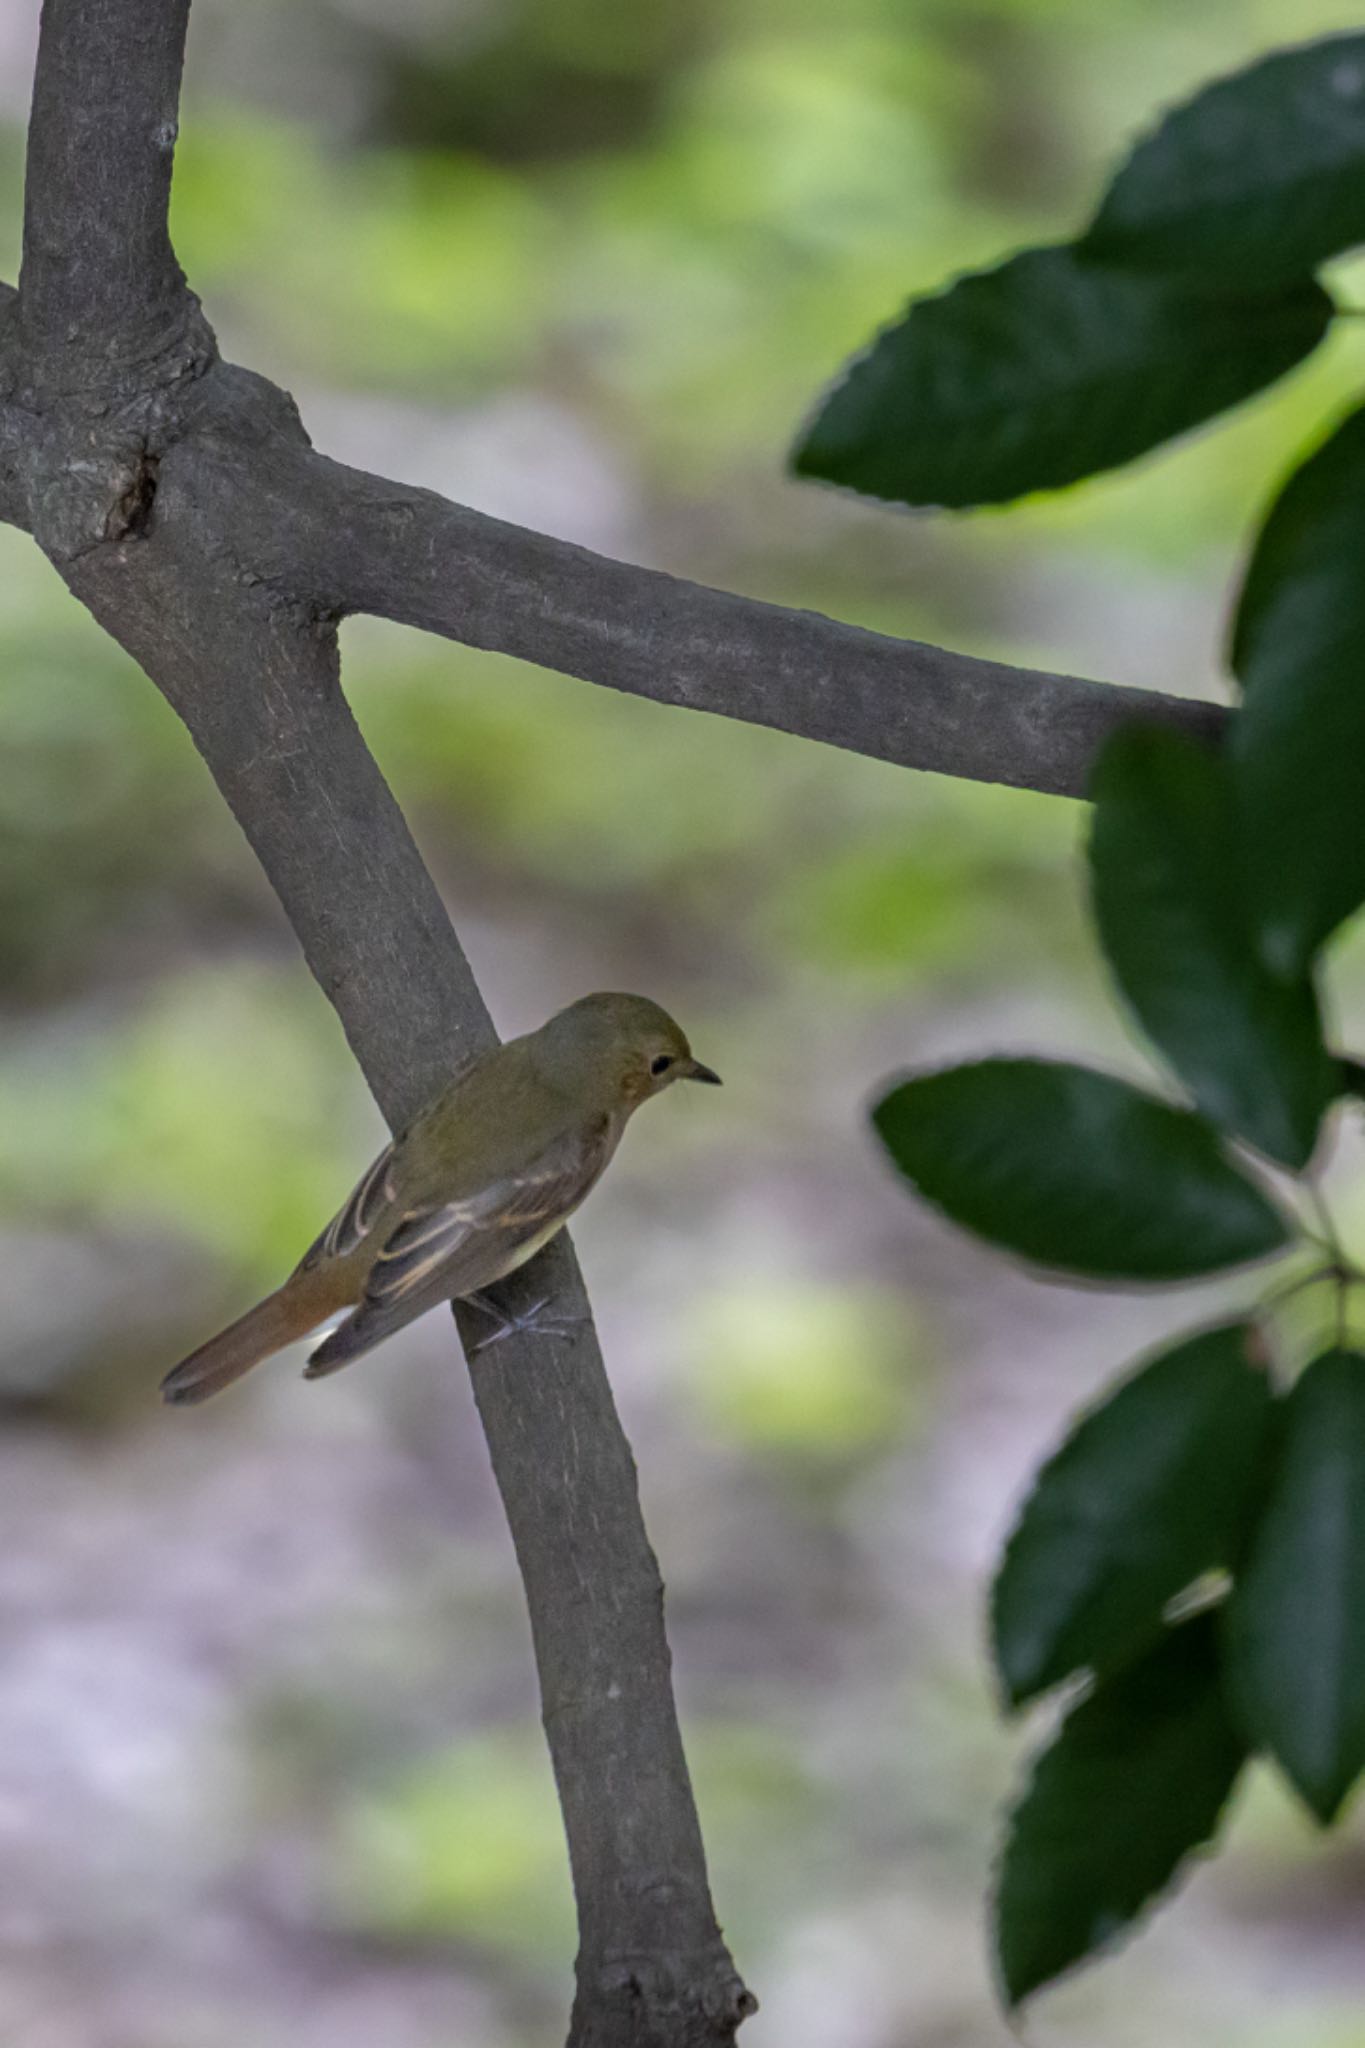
270 1769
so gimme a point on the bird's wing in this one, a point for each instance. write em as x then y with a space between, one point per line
356 1217
466 1244
440 1251
377 1188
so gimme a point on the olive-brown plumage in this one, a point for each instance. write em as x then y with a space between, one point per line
471 1190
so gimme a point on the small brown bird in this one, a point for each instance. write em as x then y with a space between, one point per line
476 1184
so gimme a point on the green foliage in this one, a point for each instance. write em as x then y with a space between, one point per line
93 790
466 1843
1217 880
811 1374
1045 370
1191 290
1166 866
1298 748
168 1115
452 249
957 887
1151 1490
1134 1783
1258 177
1296 1621
1076 1170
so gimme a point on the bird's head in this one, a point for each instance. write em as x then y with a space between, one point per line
631 1045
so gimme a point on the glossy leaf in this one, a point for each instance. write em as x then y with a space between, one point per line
1044 370
1076 1170
1151 1489
1134 1783
1298 745
1297 1618
1260 176
1167 885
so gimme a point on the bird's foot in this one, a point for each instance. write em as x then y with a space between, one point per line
531 1321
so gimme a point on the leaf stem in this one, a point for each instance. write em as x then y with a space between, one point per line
1328 1227
1337 1267
1279 1295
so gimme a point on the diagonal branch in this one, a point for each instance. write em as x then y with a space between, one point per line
368 545
653 1971
13 497
110 399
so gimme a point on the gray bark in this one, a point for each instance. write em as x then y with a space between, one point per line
181 502
143 467
363 544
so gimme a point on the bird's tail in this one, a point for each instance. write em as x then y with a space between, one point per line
280 1319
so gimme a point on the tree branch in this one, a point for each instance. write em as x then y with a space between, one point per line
111 372
338 541
653 1971
100 283
179 500
13 497
368 545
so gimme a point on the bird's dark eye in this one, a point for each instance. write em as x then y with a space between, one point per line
662 1064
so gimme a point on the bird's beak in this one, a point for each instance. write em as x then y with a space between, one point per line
693 1070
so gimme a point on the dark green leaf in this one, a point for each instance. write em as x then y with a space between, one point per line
1042 371
1257 178
1150 1490
1133 1784
1298 744
1297 1616
1167 882
1076 1170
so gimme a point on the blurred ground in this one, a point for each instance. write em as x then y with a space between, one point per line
270 1769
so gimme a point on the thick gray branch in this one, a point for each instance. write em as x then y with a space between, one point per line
111 400
368 545
258 689
100 283
337 540
13 497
